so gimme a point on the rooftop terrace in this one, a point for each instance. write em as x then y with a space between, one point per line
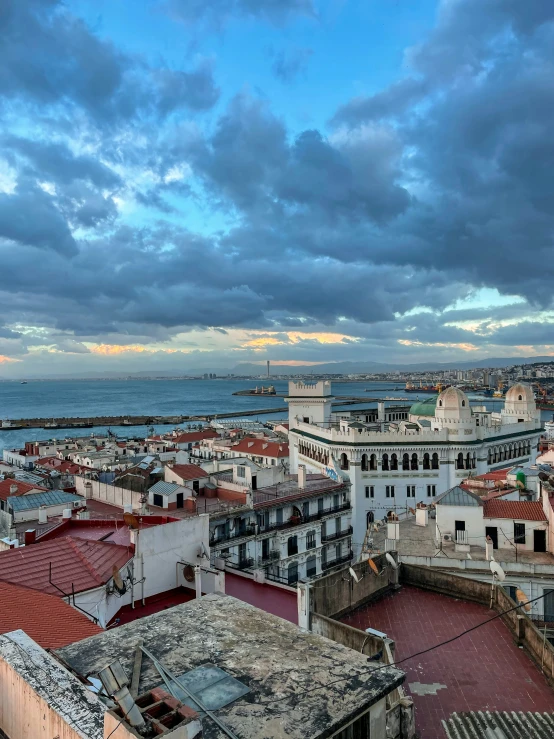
482 671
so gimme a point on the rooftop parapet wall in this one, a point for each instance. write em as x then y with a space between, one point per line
310 389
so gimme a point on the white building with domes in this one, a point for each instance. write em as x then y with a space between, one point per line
393 465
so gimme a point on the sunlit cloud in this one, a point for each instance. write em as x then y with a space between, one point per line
463 346
114 349
6 360
290 338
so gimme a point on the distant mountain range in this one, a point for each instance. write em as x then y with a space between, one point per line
346 368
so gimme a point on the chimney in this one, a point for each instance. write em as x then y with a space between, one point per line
30 537
301 476
13 489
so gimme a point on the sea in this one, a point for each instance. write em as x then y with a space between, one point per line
163 397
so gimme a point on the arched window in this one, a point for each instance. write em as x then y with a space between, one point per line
460 461
364 463
435 461
520 397
489 457
463 404
440 403
405 461
373 462
385 462
393 462
468 461
292 573
414 465
473 461
344 461
426 461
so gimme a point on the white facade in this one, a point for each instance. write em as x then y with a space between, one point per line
393 466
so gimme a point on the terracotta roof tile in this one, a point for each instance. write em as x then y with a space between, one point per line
80 563
262 447
189 471
22 488
49 620
521 510
194 436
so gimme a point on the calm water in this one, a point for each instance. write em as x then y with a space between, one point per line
83 398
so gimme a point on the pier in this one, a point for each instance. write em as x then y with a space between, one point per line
86 423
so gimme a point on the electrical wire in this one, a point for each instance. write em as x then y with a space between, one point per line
417 654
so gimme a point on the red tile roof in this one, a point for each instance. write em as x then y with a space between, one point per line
494 475
22 488
194 436
50 621
521 510
189 471
61 465
80 563
261 447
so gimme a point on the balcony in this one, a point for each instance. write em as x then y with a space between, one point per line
337 535
336 562
241 564
301 520
248 530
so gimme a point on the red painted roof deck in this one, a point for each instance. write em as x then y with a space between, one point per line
269 598
154 604
481 671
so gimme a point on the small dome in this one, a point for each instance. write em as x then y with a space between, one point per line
424 407
452 399
520 393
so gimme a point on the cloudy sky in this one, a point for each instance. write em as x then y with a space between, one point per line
195 183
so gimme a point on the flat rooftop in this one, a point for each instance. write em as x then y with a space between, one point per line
300 684
419 541
315 484
482 671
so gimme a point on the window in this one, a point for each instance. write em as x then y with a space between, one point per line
364 463
343 462
405 462
394 461
310 567
369 491
279 515
373 462
431 491
463 403
305 419
548 604
241 471
389 491
292 545
460 461
385 462
310 540
158 500
320 505
519 533
410 491
292 573
414 465
511 590
426 461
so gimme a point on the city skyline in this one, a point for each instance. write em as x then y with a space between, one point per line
201 184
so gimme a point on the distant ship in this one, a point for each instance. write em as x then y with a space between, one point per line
24 382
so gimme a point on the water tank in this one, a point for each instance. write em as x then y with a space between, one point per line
67 513
549 430
42 515
520 479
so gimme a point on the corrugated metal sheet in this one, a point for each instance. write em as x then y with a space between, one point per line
499 725
458 497
164 488
35 500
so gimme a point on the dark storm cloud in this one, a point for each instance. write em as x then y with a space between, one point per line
289 63
29 217
385 104
219 12
50 57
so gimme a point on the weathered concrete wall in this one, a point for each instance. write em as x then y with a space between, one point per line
346 635
109 493
523 629
339 593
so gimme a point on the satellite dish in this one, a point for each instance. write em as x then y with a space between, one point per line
391 560
188 573
522 599
353 575
497 571
373 566
118 583
130 520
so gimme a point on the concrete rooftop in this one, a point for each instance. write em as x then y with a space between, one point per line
301 684
419 541
482 671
